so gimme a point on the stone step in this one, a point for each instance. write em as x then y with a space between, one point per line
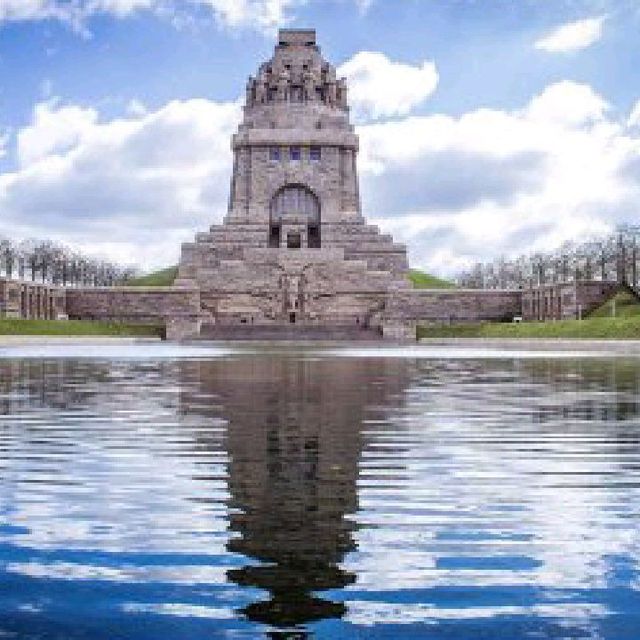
288 332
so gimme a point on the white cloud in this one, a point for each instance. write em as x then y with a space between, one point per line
379 87
266 15
263 15
132 188
573 36
53 131
568 103
492 182
634 118
43 9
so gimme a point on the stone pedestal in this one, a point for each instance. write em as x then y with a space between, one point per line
399 332
183 328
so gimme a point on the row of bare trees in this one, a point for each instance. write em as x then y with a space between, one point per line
52 263
615 257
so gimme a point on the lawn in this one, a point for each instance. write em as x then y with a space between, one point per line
162 278
622 328
13 327
622 305
421 280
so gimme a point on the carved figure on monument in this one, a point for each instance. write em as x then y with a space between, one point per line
284 83
261 87
309 86
331 94
342 93
251 90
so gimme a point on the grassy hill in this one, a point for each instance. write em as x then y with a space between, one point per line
162 278
421 280
622 305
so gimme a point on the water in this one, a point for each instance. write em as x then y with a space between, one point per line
155 493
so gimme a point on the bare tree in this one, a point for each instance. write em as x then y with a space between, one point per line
614 257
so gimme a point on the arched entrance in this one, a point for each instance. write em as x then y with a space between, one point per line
294 218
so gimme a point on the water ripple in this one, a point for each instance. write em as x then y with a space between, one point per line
206 492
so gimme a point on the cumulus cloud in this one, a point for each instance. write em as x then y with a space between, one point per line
379 87
496 182
133 188
70 12
634 118
264 15
573 36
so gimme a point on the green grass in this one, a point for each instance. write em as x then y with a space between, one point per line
626 306
14 327
421 280
594 328
162 278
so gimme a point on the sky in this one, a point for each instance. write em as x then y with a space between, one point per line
488 128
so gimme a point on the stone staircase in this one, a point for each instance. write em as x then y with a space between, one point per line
288 333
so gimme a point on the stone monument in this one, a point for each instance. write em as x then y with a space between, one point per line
294 248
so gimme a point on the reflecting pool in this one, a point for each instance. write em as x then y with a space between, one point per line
159 492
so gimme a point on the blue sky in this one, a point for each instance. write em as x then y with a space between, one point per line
503 126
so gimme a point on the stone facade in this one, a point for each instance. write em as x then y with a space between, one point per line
294 256
565 301
31 300
177 309
405 310
294 248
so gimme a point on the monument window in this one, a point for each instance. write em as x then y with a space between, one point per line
295 153
274 236
314 237
315 154
274 153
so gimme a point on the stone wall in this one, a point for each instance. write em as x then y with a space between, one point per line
565 301
31 300
135 305
406 309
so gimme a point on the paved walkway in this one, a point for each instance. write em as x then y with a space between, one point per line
10 341
617 347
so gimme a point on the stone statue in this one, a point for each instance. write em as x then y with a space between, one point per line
251 90
342 93
309 84
261 86
331 94
284 83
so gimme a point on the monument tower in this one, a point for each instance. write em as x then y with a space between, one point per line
294 248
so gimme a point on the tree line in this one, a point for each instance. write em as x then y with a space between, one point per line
612 257
53 263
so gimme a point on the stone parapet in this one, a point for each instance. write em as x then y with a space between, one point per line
136 305
416 306
566 300
298 137
32 300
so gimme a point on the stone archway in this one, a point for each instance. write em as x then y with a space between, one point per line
294 218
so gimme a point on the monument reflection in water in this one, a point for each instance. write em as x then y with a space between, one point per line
336 495
294 440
